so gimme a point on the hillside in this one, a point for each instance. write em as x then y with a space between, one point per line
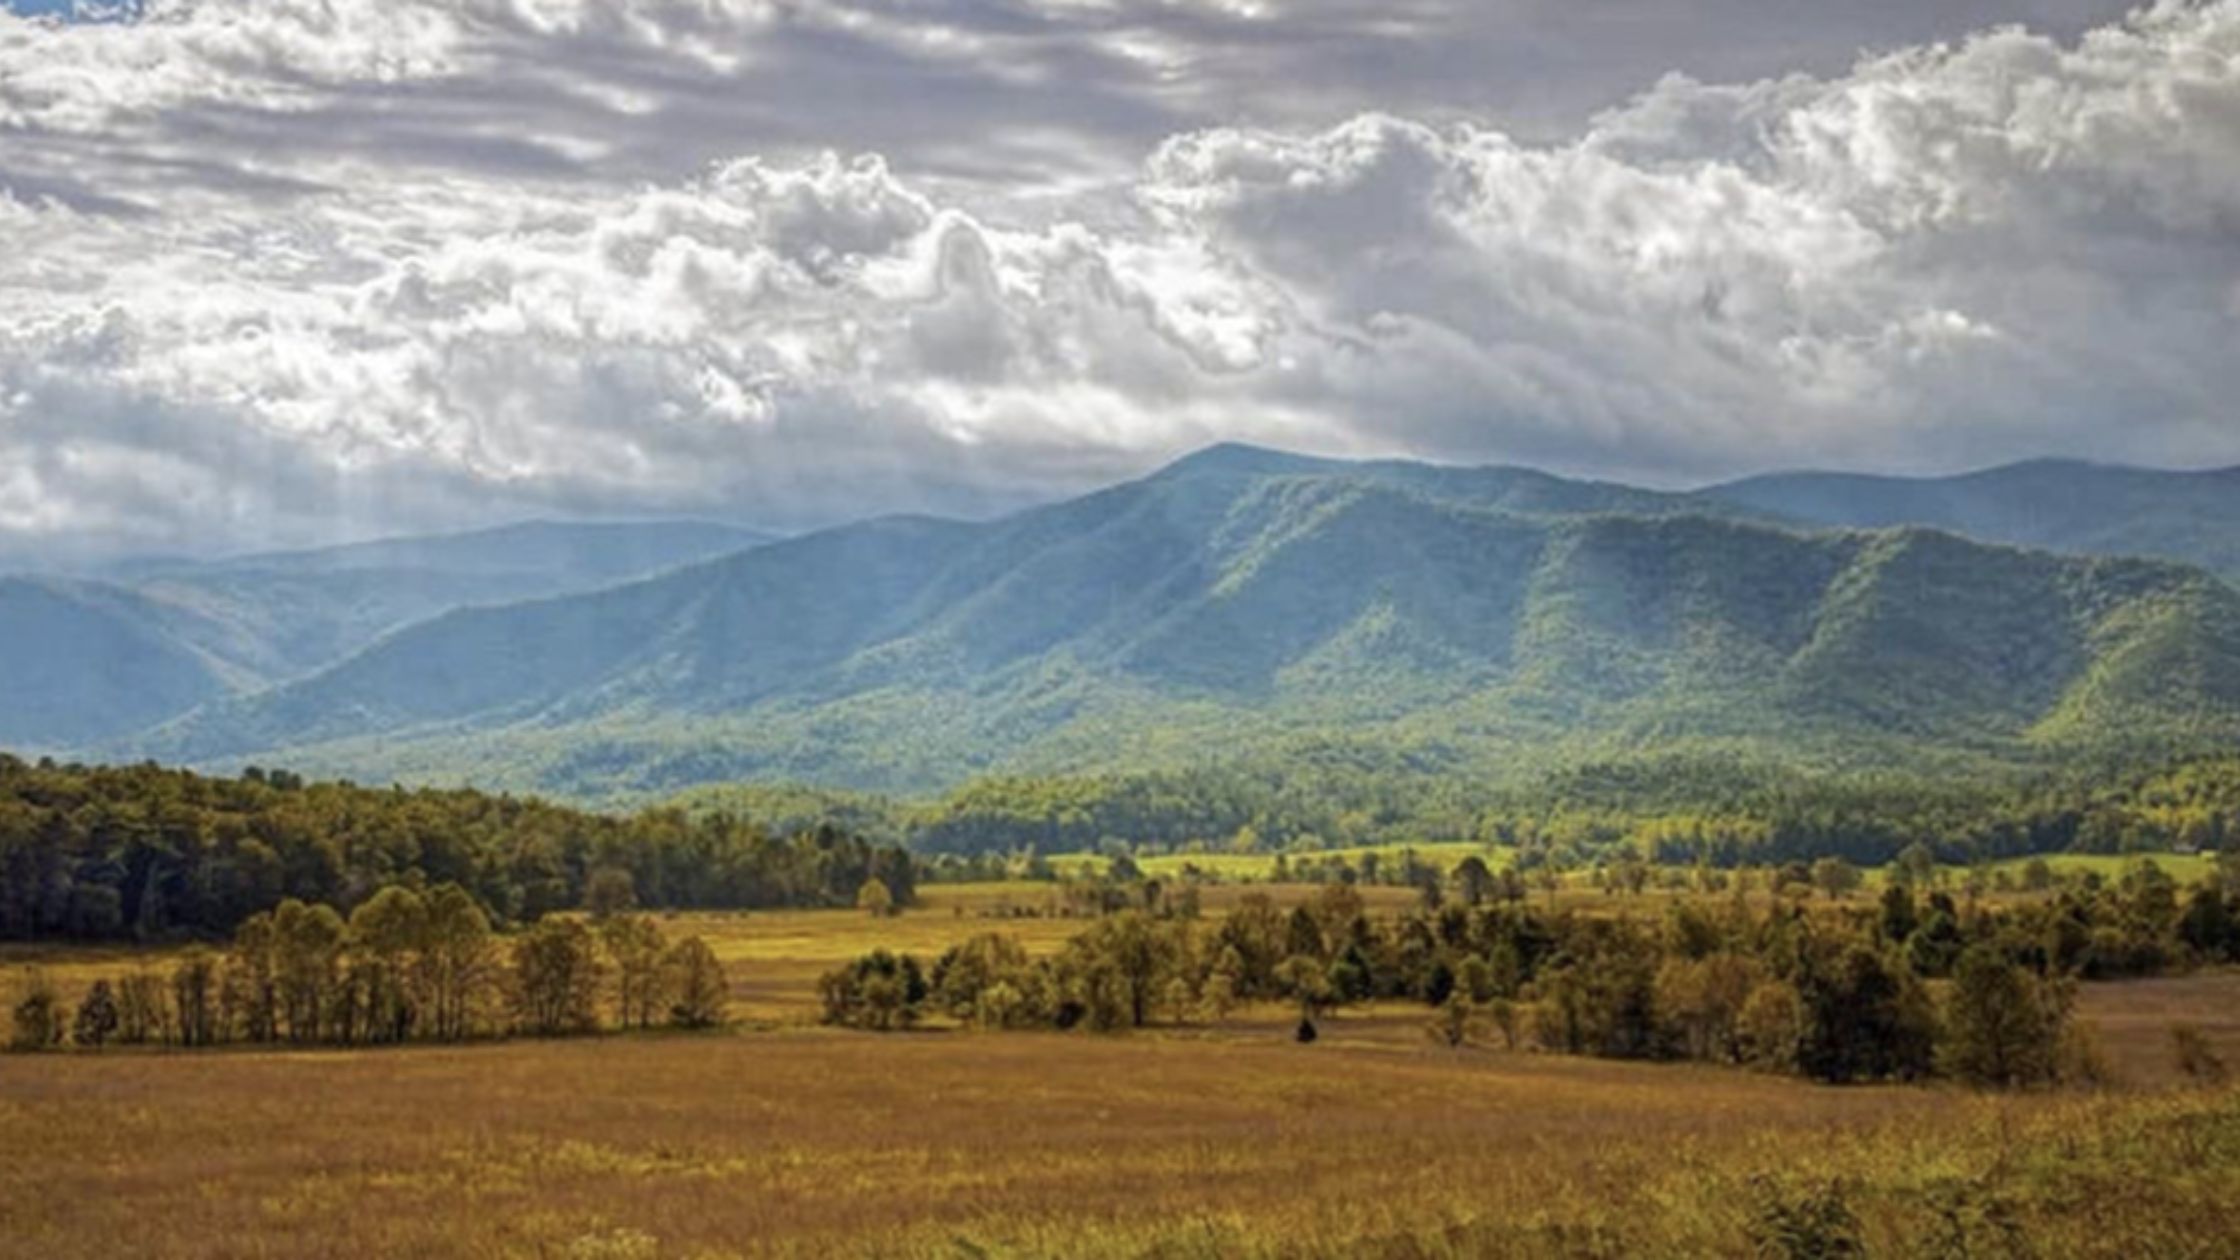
1477 620
301 610
2087 509
92 660
86 660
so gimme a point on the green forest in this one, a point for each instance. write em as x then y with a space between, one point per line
96 853
147 853
1726 811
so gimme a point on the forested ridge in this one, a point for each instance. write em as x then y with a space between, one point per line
143 641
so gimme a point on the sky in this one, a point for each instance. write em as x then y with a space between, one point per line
286 271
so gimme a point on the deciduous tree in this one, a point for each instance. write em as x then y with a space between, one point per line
699 995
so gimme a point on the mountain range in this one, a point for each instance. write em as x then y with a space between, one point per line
1245 602
106 653
2090 509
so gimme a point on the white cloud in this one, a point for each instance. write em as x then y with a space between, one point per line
260 294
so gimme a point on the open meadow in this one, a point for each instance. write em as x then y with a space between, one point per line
777 1137
818 1143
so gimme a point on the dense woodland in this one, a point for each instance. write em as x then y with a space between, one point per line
145 853
148 854
1725 810
1916 982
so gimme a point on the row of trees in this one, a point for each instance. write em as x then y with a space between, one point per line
402 967
141 853
1896 989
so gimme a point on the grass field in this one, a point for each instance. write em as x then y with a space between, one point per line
1258 866
2185 868
778 1138
1230 1143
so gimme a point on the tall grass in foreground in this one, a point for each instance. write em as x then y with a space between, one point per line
812 1143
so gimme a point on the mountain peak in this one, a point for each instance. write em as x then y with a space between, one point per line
1240 459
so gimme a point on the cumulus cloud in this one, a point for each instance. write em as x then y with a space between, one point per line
292 269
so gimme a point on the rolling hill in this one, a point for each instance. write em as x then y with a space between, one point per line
1243 601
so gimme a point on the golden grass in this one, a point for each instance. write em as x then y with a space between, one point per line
776 956
787 1140
1234 1142
782 1139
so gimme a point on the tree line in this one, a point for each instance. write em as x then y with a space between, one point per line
402 967
144 853
147 854
1675 809
1915 983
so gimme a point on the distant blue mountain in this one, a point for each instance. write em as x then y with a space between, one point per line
89 659
2087 509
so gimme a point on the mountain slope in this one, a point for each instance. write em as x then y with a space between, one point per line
83 660
302 610
1241 600
98 659
679 640
2086 509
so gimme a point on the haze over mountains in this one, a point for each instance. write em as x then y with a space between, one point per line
2092 509
94 657
1246 603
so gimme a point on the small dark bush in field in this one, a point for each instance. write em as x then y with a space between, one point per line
1970 1217
1811 1223
39 1020
1306 1033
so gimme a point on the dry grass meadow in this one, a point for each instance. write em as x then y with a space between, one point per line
778 1138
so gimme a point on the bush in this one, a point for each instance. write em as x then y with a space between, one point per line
40 1020
1815 1223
